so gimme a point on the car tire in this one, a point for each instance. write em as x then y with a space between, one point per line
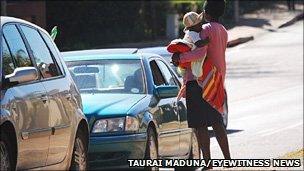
151 148
6 153
80 152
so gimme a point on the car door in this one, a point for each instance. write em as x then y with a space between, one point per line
168 142
57 87
185 131
28 103
180 110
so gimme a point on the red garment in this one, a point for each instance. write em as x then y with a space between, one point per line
211 81
179 47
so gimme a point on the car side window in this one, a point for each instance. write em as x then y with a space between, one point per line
166 73
16 46
157 75
41 53
8 64
51 46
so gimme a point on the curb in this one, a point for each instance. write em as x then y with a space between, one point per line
295 19
238 41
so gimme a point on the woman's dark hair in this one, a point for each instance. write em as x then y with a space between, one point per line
215 8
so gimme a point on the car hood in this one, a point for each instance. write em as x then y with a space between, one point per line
109 104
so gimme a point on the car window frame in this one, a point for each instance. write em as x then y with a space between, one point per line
178 84
154 59
31 58
27 50
58 56
41 78
10 52
169 69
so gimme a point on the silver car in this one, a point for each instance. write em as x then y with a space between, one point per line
41 121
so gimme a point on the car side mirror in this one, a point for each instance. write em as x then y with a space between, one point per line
22 75
166 91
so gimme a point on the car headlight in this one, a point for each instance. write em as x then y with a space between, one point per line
132 124
116 125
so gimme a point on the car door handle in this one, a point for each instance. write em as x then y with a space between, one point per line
44 98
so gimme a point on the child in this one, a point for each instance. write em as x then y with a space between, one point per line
191 41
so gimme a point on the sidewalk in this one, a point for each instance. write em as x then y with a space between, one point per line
262 21
250 26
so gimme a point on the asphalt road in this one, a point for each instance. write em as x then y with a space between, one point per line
265 94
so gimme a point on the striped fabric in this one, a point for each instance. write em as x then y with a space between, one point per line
212 86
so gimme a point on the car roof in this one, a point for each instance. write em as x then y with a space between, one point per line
160 50
6 19
96 54
101 51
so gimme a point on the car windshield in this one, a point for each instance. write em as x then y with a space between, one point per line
108 76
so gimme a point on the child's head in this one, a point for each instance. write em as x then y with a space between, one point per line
214 9
193 21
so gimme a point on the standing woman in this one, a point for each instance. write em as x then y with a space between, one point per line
201 114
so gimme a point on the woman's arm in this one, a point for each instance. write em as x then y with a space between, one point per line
202 42
199 52
194 55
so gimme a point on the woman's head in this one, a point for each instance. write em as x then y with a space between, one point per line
214 9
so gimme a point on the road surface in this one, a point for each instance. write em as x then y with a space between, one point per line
265 94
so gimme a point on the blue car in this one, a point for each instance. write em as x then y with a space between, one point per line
130 101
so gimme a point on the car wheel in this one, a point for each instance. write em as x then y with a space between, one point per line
151 148
195 152
80 157
6 155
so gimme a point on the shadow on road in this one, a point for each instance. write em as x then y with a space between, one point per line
229 131
253 22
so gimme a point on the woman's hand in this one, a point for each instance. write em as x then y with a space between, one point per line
175 59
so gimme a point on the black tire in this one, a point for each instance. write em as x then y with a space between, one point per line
6 154
80 152
151 148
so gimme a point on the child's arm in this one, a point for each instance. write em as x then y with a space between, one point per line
202 42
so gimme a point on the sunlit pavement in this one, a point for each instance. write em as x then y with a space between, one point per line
265 90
